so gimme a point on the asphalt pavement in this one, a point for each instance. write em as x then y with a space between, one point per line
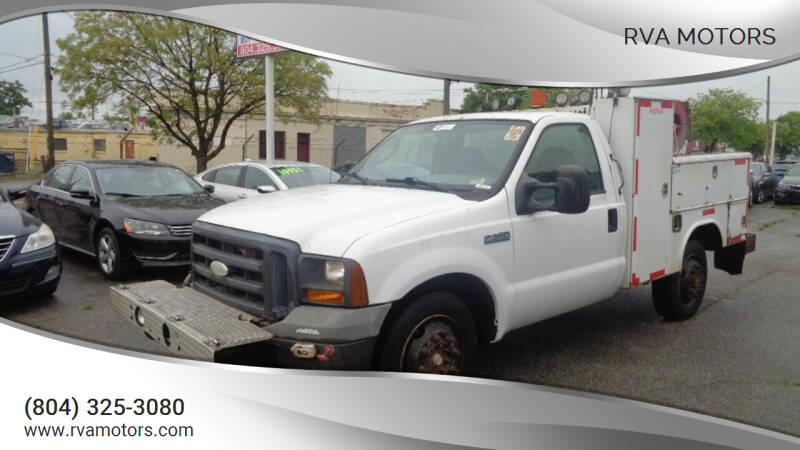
739 358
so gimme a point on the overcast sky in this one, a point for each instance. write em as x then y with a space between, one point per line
21 59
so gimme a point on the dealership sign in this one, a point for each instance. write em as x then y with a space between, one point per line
247 47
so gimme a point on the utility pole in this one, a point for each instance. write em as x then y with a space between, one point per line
269 106
446 98
766 124
48 93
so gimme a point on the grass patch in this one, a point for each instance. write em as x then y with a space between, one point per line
88 308
764 226
795 207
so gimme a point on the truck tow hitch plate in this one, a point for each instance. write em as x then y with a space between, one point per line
192 324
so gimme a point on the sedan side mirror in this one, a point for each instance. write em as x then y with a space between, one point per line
81 193
570 192
209 188
16 193
265 189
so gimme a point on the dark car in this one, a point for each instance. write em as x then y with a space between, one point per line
762 182
29 259
124 213
780 168
788 189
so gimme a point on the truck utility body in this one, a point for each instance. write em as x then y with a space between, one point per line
452 232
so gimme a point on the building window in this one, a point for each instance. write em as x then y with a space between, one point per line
60 143
99 145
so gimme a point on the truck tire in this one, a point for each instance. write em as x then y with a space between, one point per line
108 253
435 333
678 296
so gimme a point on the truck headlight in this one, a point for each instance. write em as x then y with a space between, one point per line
334 272
134 226
39 239
332 282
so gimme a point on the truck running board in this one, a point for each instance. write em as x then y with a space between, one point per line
192 324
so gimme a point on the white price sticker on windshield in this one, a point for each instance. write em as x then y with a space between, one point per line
444 127
514 133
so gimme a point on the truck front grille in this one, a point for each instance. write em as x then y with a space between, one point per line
260 276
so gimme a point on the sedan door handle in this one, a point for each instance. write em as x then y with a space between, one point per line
242 195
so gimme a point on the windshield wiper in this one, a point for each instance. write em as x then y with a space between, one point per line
123 194
414 181
356 176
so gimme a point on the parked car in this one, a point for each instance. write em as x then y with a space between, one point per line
29 259
124 213
788 189
242 179
781 167
762 183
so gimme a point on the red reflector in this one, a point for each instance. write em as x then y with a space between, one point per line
645 103
634 280
657 275
741 162
666 105
737 239
708 212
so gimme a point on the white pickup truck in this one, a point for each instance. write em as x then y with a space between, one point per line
450 233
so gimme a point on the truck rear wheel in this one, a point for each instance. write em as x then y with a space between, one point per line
435 333
678 296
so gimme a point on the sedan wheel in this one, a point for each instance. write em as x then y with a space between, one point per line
106 255
109 257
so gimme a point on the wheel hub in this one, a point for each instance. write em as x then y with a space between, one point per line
435 349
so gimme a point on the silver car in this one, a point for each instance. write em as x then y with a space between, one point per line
240 180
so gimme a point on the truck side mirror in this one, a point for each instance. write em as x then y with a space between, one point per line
570 192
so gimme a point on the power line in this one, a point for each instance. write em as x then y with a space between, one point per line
23 67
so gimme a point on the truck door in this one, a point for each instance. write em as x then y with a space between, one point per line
565 261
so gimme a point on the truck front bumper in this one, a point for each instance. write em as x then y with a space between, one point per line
192 324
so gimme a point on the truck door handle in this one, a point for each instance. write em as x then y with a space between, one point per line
612 220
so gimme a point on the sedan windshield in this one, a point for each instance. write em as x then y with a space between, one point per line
794 172
2 195
146 181
464 155
299 176
783 166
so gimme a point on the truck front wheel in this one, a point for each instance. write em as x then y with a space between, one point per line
678 296
435 333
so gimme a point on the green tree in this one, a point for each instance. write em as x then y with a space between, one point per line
480 96
12 98
787 135
185 77
725 115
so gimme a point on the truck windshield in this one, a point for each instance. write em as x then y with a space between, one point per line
456 156
146 182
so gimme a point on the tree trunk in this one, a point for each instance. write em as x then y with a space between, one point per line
202 163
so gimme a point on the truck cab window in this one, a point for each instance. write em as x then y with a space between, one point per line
559 145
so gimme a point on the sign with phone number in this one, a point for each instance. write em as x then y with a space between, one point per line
247 48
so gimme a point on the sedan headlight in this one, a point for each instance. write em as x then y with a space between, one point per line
781 186
41 238
134 226
332 282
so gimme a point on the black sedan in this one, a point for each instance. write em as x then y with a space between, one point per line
124 213
762 183
29 259
788 189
